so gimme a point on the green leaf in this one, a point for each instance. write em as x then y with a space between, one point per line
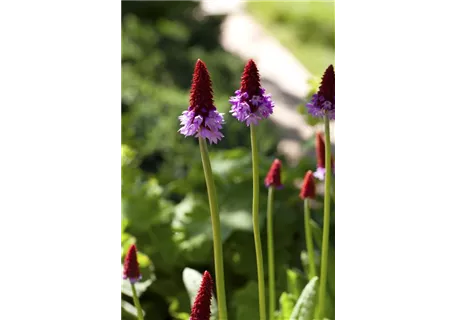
129 309
303 310
141 287
144 206
173 310
123 222
305 261
331 276
287 302
192 281
246 301
295 282
192 228
230 163
128 155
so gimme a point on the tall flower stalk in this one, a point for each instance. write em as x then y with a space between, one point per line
272 182
202 120
250 105
307 193
326 223
323 105
131 272
256 223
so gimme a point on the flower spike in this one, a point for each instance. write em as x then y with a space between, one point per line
250 103
273 176
323 102
201 309
320 151
308 187
131 266
201 118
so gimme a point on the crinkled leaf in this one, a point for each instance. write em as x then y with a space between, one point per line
295 282
246 301
127 154
304 308
144 206
287 302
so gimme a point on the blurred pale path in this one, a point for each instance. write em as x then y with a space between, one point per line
282 74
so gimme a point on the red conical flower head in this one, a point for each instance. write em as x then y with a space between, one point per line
328 84
201 119
322 103
320 150
201 95
308 186
273 176
250 104
131 266
250 80
201 309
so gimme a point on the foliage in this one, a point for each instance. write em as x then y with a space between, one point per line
164 199
304 307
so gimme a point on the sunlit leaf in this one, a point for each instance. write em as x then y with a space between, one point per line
304 308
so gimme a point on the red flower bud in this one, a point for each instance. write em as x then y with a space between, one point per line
308 186
131 266
273 176
201 96
201 309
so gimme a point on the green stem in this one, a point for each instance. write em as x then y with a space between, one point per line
326 222
271 254
136 301
217 235
309 242
256 223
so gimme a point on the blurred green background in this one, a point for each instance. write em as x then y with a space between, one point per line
164 200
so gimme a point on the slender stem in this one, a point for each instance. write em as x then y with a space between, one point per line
256 223
326 222
271 254
309 242
217 235
136 301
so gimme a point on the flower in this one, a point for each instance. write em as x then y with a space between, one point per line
250 103
201 119
273 176
308 187
131 266
323 102
320 150
201 309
